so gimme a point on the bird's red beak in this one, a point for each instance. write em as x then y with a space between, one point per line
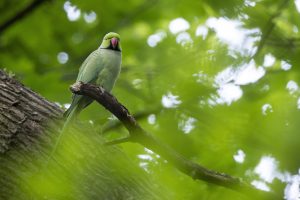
114 42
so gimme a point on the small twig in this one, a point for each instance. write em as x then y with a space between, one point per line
114 124
269 27
139 135
118 141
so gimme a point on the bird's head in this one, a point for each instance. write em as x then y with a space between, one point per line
111 41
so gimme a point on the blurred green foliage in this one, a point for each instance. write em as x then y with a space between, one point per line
263 121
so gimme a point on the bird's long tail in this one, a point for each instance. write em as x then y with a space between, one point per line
69 115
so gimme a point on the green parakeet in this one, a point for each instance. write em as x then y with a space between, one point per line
102 68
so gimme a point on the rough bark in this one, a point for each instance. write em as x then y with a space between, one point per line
24 115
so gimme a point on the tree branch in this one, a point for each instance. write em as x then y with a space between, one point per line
139 135
21 14
269 27
114 124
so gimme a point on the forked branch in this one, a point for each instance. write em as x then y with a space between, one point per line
139 135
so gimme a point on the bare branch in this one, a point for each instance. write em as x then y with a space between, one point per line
139 135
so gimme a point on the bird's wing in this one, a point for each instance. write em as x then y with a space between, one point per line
91 67
88 73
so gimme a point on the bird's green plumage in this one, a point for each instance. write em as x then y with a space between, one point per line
102 68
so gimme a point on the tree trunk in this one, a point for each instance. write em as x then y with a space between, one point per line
24 115
29 125
24 118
